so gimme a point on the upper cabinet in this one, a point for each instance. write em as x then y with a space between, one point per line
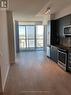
62 22
54 33
67 20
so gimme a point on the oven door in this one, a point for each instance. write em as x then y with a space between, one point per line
62 58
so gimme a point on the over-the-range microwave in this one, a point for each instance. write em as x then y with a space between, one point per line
67 30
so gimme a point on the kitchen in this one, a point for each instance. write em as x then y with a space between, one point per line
59 48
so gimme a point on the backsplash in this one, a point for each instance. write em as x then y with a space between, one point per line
66 41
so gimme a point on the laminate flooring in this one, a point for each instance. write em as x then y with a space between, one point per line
35 74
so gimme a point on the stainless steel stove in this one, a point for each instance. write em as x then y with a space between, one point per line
63 58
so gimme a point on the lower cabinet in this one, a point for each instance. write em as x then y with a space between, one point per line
69 60
54 53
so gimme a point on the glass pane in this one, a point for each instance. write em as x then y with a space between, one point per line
22 32
39 43
31 43
39 31
30 31
30 35
39 35
22 44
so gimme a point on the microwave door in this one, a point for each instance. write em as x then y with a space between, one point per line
67 30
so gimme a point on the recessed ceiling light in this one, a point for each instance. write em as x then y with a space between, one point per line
47 11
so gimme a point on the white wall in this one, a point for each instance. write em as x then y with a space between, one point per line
46 18
10 37
4 47
63 12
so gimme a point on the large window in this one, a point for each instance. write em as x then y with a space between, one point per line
26 37
31 37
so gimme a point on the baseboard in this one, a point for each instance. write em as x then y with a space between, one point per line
12 62
6 78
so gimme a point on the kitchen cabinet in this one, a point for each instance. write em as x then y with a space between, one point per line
48 51
61 22
67 20
69 60
54 53
54 32
52 35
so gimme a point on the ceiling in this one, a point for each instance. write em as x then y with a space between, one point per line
27 7
34 7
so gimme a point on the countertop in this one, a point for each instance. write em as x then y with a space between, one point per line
62 47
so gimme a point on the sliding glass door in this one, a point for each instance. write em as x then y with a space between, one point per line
27 37
31 37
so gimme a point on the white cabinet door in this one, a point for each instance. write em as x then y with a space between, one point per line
48 51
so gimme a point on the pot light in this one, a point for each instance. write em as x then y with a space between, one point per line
47 11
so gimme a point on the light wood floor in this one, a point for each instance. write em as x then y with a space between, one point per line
35 74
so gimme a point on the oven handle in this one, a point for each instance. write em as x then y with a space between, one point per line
62 52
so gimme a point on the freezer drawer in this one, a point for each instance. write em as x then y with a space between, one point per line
54 53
